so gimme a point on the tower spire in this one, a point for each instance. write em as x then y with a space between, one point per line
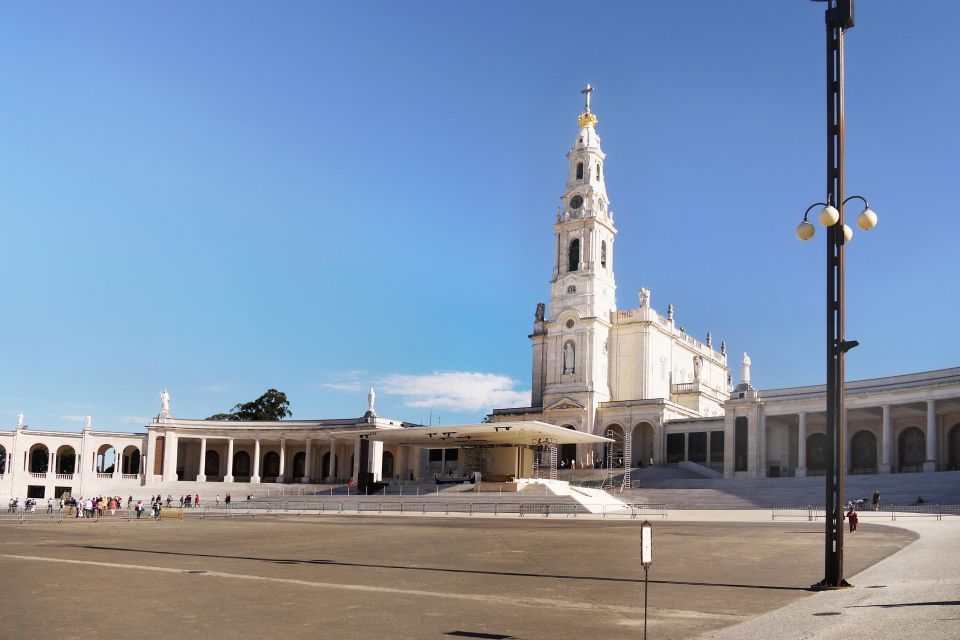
586 118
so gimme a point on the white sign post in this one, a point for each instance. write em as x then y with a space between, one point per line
646 559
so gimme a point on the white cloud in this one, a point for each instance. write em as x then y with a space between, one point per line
215 388
74 418
455 390
353 381
344 386
135 420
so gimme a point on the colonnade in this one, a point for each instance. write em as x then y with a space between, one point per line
890 438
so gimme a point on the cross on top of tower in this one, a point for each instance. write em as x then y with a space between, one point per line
587 90
586 118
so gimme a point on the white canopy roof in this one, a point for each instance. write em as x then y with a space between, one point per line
487 434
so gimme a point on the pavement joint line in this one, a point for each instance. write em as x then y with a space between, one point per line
488 599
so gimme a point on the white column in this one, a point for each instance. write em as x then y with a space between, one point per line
117 461
201 475
762 445
801 445
256 461
229 476
151 452
400 463
355 476
931 463
283 459
886 451
307 459
170 456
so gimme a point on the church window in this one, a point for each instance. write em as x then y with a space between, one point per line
571 289
599 175
573 258
603 254
579 171
570 324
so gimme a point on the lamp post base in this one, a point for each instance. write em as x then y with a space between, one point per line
823 585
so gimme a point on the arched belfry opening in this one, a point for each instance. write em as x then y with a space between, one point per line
573 257
579 171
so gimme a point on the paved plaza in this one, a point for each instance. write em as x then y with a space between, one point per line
409 577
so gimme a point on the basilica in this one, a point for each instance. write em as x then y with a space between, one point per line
611 388
666 397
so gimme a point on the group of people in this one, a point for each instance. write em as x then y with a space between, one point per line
92 507
29 505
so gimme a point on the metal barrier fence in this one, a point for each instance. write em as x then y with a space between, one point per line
889 512
23 516
518 509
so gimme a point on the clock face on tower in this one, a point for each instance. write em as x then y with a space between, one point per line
576 202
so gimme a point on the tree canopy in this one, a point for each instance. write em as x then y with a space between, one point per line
272 405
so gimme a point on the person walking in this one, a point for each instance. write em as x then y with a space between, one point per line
876 500
49 505
853 518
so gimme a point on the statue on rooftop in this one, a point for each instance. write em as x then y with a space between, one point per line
164 404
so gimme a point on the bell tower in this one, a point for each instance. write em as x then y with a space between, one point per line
570 346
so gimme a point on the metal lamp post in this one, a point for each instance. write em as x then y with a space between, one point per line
839 18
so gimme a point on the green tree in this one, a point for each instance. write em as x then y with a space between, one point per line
272 405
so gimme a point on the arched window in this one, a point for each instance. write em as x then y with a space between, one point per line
241 464
300 464
571 289
271 465
387 465
579 171
328 470
603 254
211 466
953 449
573 258
598 171
863 452
816 453
912 449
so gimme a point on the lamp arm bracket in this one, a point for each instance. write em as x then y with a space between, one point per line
810 208
866 205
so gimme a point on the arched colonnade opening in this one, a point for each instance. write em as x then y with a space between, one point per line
65 462
106 459
38 459
953 448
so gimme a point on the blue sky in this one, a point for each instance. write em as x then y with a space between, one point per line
223 197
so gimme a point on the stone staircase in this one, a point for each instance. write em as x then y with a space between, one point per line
942 487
